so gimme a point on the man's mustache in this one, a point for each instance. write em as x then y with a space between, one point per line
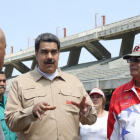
49 61
133 67
2 87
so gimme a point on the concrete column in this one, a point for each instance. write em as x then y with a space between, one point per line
74 56
127 45
8 70
21 67
34 63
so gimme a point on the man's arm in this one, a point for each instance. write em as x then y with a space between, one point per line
88 111
112 125
1 133
16 117
90 117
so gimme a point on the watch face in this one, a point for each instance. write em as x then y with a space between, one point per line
89 108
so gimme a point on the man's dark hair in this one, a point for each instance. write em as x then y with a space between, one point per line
1 72
46 37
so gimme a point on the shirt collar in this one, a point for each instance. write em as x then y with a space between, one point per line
37 75
61 75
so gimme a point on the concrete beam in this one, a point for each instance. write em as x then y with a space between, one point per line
106 84
21 67
34 63
74 56
98 50
8 70
127 45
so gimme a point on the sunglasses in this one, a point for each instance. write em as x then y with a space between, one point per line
135 59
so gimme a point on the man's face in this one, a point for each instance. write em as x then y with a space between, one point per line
135 67
2 49
2 84
48 57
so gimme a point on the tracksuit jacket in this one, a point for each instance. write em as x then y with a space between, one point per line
124 113
7 133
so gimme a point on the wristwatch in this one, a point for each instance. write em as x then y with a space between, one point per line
90 108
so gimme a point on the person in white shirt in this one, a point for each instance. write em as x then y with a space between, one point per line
97 131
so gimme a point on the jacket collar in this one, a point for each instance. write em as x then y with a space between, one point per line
37 75
4 99
129 85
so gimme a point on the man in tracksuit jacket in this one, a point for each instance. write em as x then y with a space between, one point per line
124 110
7 133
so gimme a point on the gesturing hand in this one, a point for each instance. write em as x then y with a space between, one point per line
83 105
41 108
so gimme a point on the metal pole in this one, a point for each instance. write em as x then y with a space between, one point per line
103 19
64 32
11 49
28 41
57 31
96 20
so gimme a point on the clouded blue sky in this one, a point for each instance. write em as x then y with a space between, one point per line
21 19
